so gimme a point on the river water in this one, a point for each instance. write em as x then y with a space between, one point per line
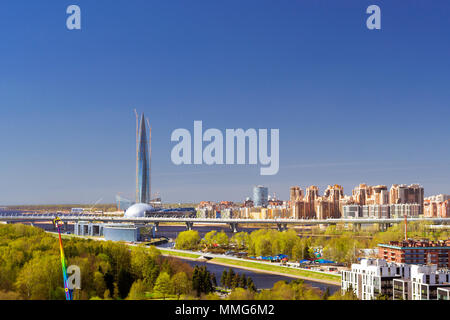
261 280
172 231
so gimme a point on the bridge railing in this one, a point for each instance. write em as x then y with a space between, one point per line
67 217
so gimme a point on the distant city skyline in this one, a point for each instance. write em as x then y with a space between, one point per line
353 105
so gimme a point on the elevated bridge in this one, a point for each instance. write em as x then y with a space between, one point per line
281 224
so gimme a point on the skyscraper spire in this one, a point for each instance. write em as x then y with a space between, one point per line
143 164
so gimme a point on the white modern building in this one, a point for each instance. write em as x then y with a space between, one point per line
351 211
381 211
372 278
425 281
375 211
401 209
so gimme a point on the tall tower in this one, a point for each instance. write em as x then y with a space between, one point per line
143 153
260 196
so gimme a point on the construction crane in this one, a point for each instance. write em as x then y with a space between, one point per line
118 202
96 202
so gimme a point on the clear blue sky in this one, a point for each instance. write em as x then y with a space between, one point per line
352 105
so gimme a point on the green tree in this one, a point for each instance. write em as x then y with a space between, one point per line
326 294
242 281
224 279
124 283
201 281
139 261
99 284
222 239
282 291
230 277
342 249
137 290
240 240
187 240
213 280
210 238
235 281
347 295
163 285
263 247
211 296
116 294
301 250
250 284
241 294
39 277
9 295
107 295
181 284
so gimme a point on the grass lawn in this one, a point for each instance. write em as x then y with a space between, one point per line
71 236
179 254
297 272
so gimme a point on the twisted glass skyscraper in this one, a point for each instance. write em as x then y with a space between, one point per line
143 158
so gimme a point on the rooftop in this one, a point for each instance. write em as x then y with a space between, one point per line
418 243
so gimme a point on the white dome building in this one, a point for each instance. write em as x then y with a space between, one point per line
138 210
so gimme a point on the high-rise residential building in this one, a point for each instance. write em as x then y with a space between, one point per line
333 195
313 206
413 193
437 206
311 196
436 209
360 194
324 209
296 194
397 193
438 198
296 203
377 195
298 210
312 193
143 161
260 196
374 201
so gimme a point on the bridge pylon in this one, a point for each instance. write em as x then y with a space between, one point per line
233 227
